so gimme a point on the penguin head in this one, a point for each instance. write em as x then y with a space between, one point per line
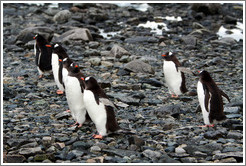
74 67
168 56
67 62
40 39
91 83
204 75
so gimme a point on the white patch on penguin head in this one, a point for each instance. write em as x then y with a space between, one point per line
36 35
71 65
87 78
56 45
170 53
64 59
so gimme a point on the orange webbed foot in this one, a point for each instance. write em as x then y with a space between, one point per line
68 110
212 125
174 96
97 136
59 92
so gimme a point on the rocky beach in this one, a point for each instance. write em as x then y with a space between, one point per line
121 46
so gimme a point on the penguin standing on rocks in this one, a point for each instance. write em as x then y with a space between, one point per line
74 88
174 77
210 99
43 55
58 55
99 108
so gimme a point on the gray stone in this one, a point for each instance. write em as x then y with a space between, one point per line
62 16
121 152
189 40
142 39
151 154
189 160
76 34
213 134
226 155
14 159
231 110
95 61
225 41
95 149
138 66
118 51
30 151
235 135
107 64
164 111
63 115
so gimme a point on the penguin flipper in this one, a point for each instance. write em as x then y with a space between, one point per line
225 95
107 102
207 97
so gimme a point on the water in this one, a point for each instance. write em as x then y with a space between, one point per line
236 33
108 35
141 6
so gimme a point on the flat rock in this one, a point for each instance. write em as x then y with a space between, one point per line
62 16
14 159
76 34
63 115
117 51
151 154
30 151
139 66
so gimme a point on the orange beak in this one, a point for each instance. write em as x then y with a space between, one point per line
76 66
163 55
60 60
48 45
34 37
82 78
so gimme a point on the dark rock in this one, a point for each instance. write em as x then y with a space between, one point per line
206 8
91 52
8 93
230 20
164 111
139 66
27 34
238 155
136 141
209 148
225 41
235 135
142 39
120 152
123 72
14 159
79 145
213 134
151 81
30 151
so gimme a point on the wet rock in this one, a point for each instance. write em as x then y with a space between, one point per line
27 34
139 66
62 16
117 51
76 34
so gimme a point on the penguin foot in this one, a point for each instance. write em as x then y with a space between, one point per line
80 125
68 110
59 92
75 124
212 125
174 96
97 136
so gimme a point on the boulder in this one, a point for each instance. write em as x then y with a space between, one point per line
139 66
76 34
62 16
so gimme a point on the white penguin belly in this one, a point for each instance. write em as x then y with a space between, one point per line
201 98
55 69
96 112
75 99
172 77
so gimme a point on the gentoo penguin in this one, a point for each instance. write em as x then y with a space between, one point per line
210 99
175 79
58 55
43 55
99 108
74 88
